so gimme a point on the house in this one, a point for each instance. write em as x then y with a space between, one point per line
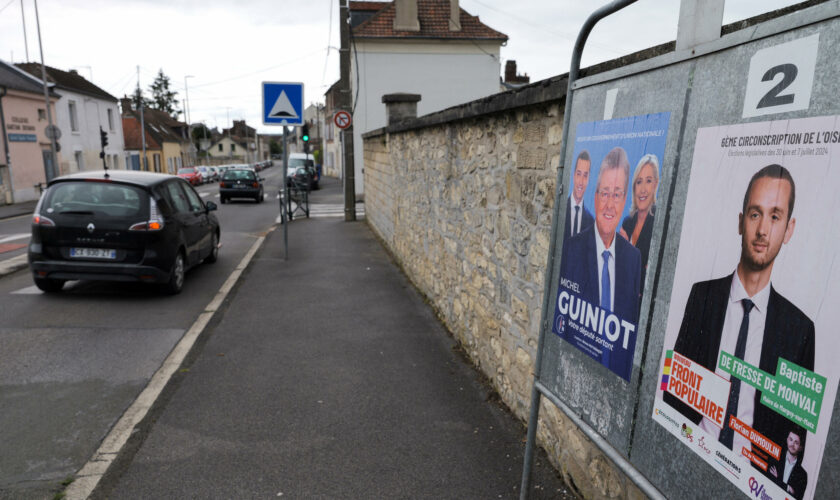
81 112
332 160
237 144
428 47
167 146
25 151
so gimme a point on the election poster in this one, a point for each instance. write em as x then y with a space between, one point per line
748 372
610 213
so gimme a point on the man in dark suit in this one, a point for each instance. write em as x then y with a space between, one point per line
605 266
788 471
745 316
578 218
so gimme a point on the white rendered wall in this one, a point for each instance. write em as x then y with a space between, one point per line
443 73
91 112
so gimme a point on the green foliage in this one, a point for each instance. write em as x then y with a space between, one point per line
163 99
275 147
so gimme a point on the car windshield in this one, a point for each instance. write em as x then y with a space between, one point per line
185 171
97 198
232 175
296 162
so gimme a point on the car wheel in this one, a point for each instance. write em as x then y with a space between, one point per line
261 197
214 250
223 199
49 285
176 277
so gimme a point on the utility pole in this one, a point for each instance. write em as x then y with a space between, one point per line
142 122
25 43
50 173
346 103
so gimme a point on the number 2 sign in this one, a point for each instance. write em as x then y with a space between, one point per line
781 77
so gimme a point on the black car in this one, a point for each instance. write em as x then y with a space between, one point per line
120 226
241 183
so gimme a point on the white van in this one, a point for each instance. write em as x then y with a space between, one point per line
298 160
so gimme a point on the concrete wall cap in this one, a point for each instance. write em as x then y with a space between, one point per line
400 97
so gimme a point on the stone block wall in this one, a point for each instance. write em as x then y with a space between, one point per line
463 199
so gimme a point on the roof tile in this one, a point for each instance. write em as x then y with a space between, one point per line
434 23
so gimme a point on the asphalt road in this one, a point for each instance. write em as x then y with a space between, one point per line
71 363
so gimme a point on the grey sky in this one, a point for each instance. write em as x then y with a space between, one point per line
229 48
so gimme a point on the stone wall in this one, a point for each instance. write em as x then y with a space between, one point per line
463 199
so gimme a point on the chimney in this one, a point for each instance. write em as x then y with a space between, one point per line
400 107
406 18
74 72
510 71
454 16
125 104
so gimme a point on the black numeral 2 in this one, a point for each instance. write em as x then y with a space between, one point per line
772 98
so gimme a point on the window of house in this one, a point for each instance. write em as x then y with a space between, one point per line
42 114
232 148
79 160
221 148
111 119
157 162
169 164
74 118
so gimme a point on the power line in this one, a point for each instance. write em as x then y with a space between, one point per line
302 57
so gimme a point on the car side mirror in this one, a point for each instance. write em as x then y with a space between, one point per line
211 206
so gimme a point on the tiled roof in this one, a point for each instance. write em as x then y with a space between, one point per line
368 6
15 78
69 80
131 135
434 23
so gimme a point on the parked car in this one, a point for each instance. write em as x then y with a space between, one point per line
241 183
207 174
120 226
298 160
301 178
191 175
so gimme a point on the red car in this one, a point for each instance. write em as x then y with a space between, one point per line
191 175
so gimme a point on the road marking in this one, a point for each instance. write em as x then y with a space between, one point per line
89 476
30 290
13 237
9 266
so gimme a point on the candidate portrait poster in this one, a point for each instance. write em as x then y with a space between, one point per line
610 210
749 372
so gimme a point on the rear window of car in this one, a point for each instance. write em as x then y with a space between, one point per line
185 171
232 175
99 198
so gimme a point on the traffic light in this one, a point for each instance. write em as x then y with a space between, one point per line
103 137
304 134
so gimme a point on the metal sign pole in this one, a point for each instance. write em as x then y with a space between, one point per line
533 419
285 201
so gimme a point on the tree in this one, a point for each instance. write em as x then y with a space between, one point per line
275 147
136 97
199 133
163 99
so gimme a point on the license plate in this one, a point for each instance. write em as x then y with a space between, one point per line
240 186
93 253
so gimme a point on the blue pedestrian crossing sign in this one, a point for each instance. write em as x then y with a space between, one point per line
282 103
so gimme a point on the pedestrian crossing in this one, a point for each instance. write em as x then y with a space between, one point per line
325 210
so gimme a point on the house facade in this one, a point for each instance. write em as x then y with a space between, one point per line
428 47
167 146
81 111
25 150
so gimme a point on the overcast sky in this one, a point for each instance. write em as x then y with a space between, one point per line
230 47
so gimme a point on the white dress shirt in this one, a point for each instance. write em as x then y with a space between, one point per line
599 249
752 353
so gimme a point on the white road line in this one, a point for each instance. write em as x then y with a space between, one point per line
30 290
89 476
14 237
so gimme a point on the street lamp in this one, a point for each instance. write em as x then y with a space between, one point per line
189 126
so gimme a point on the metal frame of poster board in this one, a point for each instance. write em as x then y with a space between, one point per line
716 84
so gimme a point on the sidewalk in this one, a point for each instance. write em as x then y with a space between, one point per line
326 376
16 209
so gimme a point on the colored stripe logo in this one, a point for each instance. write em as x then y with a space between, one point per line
666 370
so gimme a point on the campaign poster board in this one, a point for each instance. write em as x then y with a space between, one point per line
613 184
771 443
